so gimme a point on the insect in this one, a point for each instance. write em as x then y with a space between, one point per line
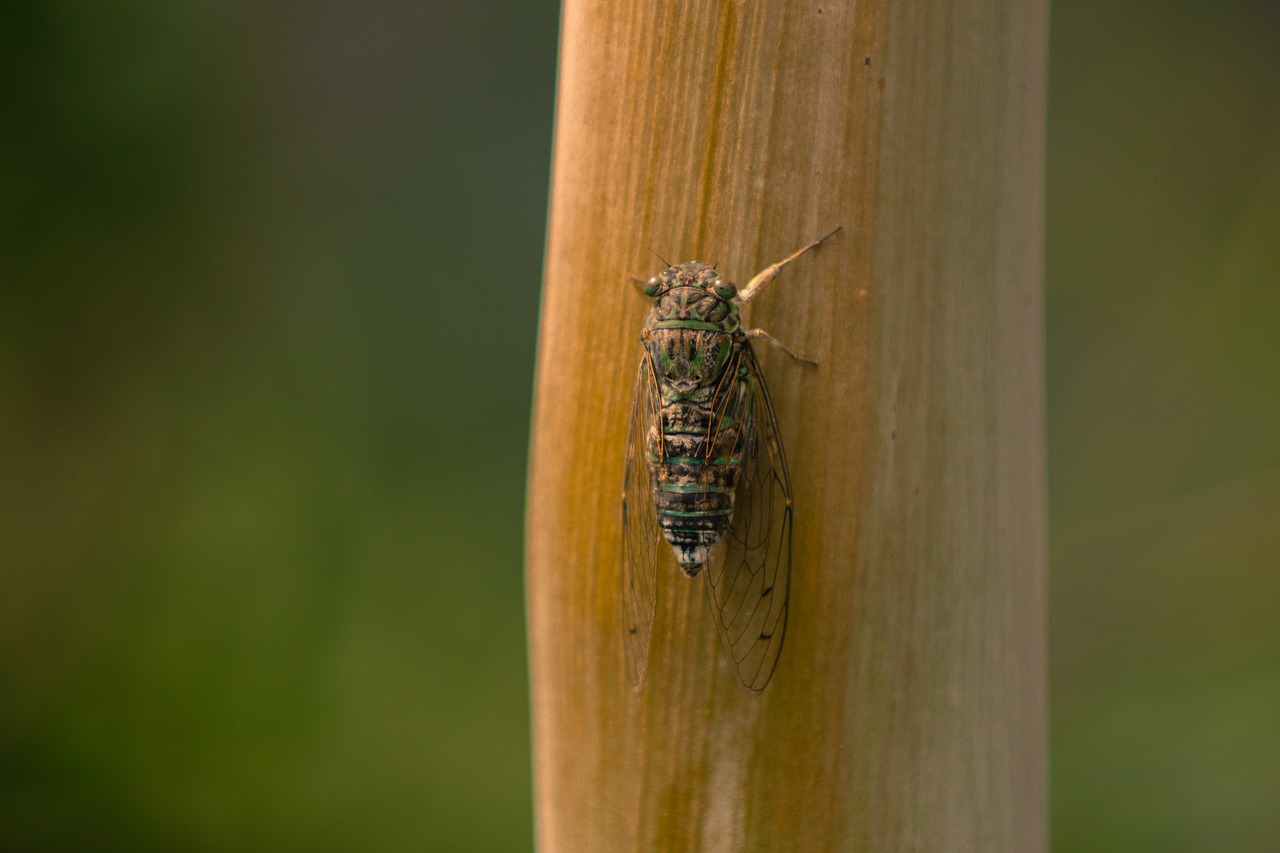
706 470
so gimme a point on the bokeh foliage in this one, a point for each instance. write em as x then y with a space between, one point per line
1163 284
268 285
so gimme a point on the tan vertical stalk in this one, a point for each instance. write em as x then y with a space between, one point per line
908 709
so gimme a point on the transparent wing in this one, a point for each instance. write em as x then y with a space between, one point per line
641 537
748 579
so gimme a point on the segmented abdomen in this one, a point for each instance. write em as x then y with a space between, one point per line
694 466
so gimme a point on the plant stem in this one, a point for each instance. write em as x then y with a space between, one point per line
908 708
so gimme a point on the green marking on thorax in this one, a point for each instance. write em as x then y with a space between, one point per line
725 326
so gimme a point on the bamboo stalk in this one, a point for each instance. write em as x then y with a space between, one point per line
908 709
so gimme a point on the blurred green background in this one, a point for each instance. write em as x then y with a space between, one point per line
268 290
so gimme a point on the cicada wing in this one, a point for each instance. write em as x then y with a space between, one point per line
748 579
641 537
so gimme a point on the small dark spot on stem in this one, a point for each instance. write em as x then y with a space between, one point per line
866 61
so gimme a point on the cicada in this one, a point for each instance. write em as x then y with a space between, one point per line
706 471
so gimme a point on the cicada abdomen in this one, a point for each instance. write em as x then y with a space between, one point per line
706 471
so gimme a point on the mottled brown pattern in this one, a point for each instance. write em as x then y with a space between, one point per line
706 474
693 342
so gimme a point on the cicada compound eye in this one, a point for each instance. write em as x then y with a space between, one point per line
725 289
651 286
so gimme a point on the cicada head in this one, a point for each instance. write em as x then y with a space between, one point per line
691 274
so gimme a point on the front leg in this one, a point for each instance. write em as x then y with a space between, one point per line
761 333
770 272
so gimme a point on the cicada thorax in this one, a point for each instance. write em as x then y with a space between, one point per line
694 449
